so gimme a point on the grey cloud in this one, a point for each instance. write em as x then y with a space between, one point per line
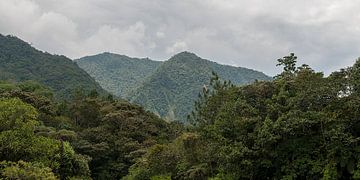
324 34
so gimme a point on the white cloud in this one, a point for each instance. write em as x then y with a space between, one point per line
53 32
160 34
177 47
16 15
323 33
128 41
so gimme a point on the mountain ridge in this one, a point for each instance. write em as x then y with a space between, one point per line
172 89
116 72
167 88
21 62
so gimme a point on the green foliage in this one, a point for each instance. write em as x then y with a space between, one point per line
86 112
202 116
302 125
290 128
16 115
171 90
39 97
289 63
110 134
25 170
168 89
162 177
179 160
18 141
123 134
5 87
20 62
118 74
36 88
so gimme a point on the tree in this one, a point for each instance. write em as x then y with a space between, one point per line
205 107
16 115
302 125
289 65
25 170
18 141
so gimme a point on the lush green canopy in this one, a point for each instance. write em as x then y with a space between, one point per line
40 136
166 88
301 125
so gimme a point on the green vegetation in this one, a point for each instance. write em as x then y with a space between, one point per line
25 170
87 136
20 62
169 88
302 125
118 74
19 142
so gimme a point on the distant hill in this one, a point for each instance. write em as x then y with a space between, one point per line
118 74
172 89
168 88
21 62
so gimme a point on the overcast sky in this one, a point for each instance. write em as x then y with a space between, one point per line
323 33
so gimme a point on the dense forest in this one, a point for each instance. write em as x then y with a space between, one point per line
118 74
300 125
19 61
86 137
171 90
166 88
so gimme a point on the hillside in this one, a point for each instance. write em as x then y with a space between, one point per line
301 125
118 74
21 62
172 89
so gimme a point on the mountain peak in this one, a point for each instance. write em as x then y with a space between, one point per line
119 74
185 57
185 54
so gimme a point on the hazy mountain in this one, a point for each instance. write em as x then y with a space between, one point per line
172 89
21 62
118 74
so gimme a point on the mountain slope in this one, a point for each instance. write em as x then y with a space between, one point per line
21 62
118 74
172 89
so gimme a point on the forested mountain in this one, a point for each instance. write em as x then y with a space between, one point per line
300 125
167 88
21 62
172 89
118 74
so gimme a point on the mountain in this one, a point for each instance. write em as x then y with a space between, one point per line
118 74
21 62
168 88
172 89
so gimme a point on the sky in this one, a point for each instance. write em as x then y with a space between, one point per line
324 34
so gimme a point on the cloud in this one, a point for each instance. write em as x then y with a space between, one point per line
160 34
130 40
177 47
324 33
16 15
48 31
